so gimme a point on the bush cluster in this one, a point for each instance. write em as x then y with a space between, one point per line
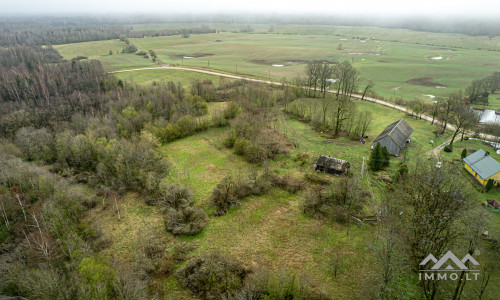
230 191
342 199
252 140
214 275
182 217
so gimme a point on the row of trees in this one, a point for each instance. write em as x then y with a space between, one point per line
480 89
321 76
335 111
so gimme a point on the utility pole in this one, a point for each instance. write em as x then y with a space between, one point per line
363 170
182 62
209 62
236 68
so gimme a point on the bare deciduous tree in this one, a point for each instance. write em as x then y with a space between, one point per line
437 199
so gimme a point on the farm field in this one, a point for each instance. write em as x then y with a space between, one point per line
402 63
390 64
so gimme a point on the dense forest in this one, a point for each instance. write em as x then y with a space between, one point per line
38 31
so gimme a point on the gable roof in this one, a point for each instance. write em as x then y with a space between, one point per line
398 131
483 164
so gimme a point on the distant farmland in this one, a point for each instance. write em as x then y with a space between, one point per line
396 60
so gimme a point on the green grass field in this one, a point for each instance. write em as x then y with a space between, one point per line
389 64
148 77
100 50
390 57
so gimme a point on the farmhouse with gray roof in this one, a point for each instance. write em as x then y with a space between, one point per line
482 166
395 137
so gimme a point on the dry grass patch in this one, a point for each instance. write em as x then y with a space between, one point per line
137 220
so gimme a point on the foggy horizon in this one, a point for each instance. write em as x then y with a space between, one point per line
365 8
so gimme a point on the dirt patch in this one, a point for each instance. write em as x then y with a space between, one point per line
193 55
424 81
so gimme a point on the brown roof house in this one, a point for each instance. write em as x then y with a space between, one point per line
395 137
331 165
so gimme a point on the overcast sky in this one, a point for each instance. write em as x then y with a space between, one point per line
381 7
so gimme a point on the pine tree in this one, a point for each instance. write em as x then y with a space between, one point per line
489 185
376 158
386 157
464 153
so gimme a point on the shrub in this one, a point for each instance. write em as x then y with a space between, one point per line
401 172
132 166
181 216
187 220
288 183
249 150
313 204
186 125
315 178
231 110
302 158
448 148
151 259
212 275
338 202
231 191
97 275
281 284
173 196
224 195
